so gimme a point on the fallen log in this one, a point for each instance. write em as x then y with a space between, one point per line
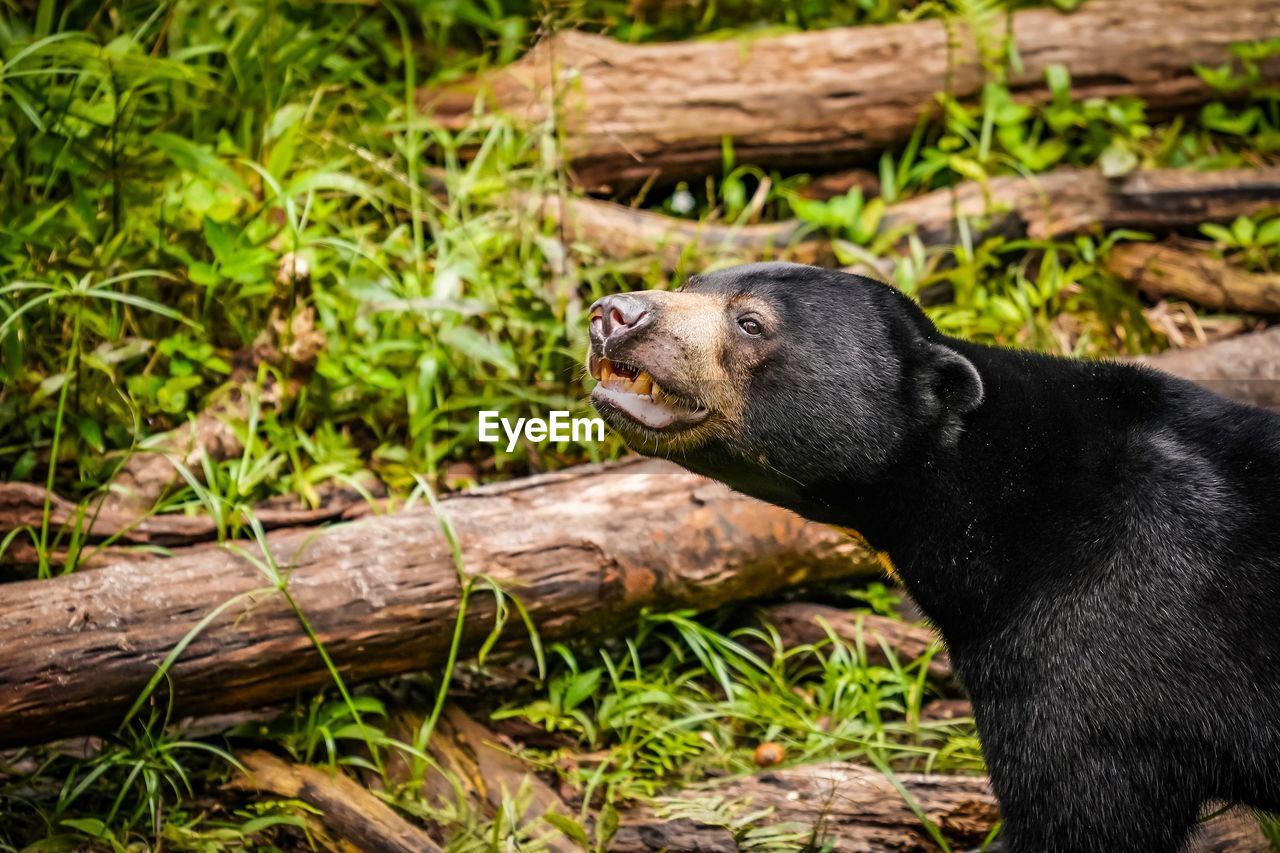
345 808
1181 270
619 232
823 99
1244 368
151 472
1067 201
290 341
470 758
1056 204
585 549
472 763
804 623
847 807
844 805
22 505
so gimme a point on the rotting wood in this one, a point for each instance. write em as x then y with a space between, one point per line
802 623
346 808
1186 271
827 98
586 550
832 184
151 471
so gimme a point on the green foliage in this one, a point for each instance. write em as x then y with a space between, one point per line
710 697
219 142
1048 295
1253 242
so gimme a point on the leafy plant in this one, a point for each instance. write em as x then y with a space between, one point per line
1252 241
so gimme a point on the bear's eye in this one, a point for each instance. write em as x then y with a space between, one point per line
751 326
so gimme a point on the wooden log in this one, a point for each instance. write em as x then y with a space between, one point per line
290 341
472 762
152 471
585 549
22 505
832 184
620 232
345 807
802 622
1185 271
823 99
1068 201
843 806
1245 368
470 757
1056 204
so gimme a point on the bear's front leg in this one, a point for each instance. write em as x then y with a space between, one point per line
1100 793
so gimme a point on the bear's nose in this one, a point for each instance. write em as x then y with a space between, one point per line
615 317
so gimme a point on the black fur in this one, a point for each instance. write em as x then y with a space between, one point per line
1098 543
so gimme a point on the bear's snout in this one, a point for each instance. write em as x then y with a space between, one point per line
615 318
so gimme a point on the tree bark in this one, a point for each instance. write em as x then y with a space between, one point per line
585 550
824 99
1178 269
475 763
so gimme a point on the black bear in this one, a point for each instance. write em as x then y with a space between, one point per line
1098 543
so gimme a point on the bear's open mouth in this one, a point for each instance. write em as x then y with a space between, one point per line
633 392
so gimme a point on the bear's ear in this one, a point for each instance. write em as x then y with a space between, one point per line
952 388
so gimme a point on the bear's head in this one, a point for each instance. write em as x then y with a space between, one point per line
778 378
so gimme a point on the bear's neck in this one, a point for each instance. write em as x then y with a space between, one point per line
977 527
